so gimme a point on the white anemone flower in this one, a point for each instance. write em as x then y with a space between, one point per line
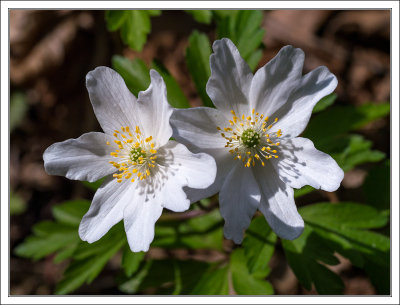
253 136
145 171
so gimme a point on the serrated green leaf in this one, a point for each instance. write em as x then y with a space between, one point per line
243 281
325 102
377 186
115 19
131 260
87 264
259 245
134 25
202 16
213 282
344 225
137 78
244 29
175 95
337 120
197 59
203 232
303 255
71 212
134 72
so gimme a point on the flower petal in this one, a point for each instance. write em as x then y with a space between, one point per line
277 204
302 164
229 84
295 114
184 168
155 110
113 103
106 209
197 127
273 83
85 158
140 216
239 199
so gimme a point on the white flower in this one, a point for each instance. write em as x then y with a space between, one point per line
146 172
252 134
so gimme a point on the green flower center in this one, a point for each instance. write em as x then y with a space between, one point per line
137 154
250 138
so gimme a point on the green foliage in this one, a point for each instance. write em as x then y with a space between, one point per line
325 102
197 59
377 186
17 204
131 260
203 232
244 29
18 109
137 78
202 16
134 25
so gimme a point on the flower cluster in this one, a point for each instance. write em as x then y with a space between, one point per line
246 148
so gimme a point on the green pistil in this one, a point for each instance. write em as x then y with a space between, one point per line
137 153
250 138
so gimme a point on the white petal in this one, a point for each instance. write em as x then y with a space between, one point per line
273 83
197 127
277 204
85 158
229 84
140 216
300 163
225 164
183 168
295 114
106 209
155 110
239 199
113 103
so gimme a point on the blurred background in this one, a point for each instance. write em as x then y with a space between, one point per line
50 54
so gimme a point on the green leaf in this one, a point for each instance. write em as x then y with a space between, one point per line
90 260
303 191
197 58
17 204
71 212
49 238
134 24
243 281
244 29
201 16
325 102
303 255
18 109
259 245
377 186
115 19
213 282
131 260
134 72
175 95
203 232
337 120
344 226
137 78
93 185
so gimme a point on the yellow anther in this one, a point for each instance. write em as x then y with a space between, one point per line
123 129
116 131
276 157
147 172
153 151
249 118
252 112
149 139
115 135
129 141
114 154
137 129
108 143
276 120
133 180
119 180
233 112
218 128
